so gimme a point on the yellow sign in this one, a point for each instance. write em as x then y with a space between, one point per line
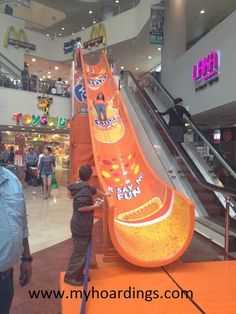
17 38
97 36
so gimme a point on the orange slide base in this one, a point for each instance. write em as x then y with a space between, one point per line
213 285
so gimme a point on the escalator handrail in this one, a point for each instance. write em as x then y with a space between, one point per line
187 161
216 153
9 61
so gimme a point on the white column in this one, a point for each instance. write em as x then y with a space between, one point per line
174 32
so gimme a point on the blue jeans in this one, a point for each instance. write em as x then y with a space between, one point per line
6 293
101 110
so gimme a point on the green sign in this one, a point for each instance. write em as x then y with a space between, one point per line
156 39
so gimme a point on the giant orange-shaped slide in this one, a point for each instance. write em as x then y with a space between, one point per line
150 223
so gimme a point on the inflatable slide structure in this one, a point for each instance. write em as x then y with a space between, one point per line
150 223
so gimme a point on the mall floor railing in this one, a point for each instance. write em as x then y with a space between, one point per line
229 193
33 84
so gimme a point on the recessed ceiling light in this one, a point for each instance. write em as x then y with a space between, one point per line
47 35
149 57
202 11
117 1
159 48
94 22
56 68
90 12
66 82
33 59
49 72
136 69
41 79
49 76
44 77
83 27
10 126
122 68
62 28
22 129
72 34
59 34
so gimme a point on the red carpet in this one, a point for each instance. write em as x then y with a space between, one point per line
47 266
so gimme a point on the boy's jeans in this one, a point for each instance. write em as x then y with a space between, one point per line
78 258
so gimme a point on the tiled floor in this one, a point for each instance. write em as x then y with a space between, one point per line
49 220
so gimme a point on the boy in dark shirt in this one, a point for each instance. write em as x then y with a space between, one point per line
81 224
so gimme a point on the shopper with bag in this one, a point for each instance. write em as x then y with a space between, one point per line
176 121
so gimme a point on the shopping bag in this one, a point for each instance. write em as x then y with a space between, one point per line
54 184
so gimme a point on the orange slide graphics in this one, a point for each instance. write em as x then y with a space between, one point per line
150 223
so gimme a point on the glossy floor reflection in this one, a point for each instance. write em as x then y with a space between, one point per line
49 220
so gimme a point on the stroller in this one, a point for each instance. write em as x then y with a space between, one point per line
33 174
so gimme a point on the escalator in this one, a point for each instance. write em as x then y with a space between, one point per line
8 66
197 179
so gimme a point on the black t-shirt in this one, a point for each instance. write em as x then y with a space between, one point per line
82 222
176 115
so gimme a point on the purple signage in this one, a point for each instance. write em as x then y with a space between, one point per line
206 70
206 67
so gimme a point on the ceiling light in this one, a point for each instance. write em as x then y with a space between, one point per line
49 76
83 27
94 22
90 12
117 1
149 57
202 11
49 72
122 68
10 126
159 49
53 129
66 82
59 34
41 79
44 77
47 35
56 68
72 34
33 59
136 69
22 129
62 28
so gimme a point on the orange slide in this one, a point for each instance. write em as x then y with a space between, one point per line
150 223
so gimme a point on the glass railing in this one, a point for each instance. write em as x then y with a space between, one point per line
32 84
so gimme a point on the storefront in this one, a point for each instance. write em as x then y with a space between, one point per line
19 142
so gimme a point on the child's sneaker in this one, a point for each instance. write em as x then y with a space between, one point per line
73 281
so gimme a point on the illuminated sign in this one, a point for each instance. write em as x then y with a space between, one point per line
97 36
17 38
206 71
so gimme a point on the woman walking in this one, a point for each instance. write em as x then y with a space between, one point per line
46 170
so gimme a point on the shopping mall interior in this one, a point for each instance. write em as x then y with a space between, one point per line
143 92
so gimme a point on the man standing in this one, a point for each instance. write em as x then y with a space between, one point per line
31 160
14 237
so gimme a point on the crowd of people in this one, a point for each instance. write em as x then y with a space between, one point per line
32 83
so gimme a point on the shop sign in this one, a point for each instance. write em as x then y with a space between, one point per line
206 72
17 38
97 36
34 120
69 46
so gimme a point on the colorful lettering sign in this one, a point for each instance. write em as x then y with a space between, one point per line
27 120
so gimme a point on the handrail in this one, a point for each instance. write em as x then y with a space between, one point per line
196 129
185 158
86 278
9 61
